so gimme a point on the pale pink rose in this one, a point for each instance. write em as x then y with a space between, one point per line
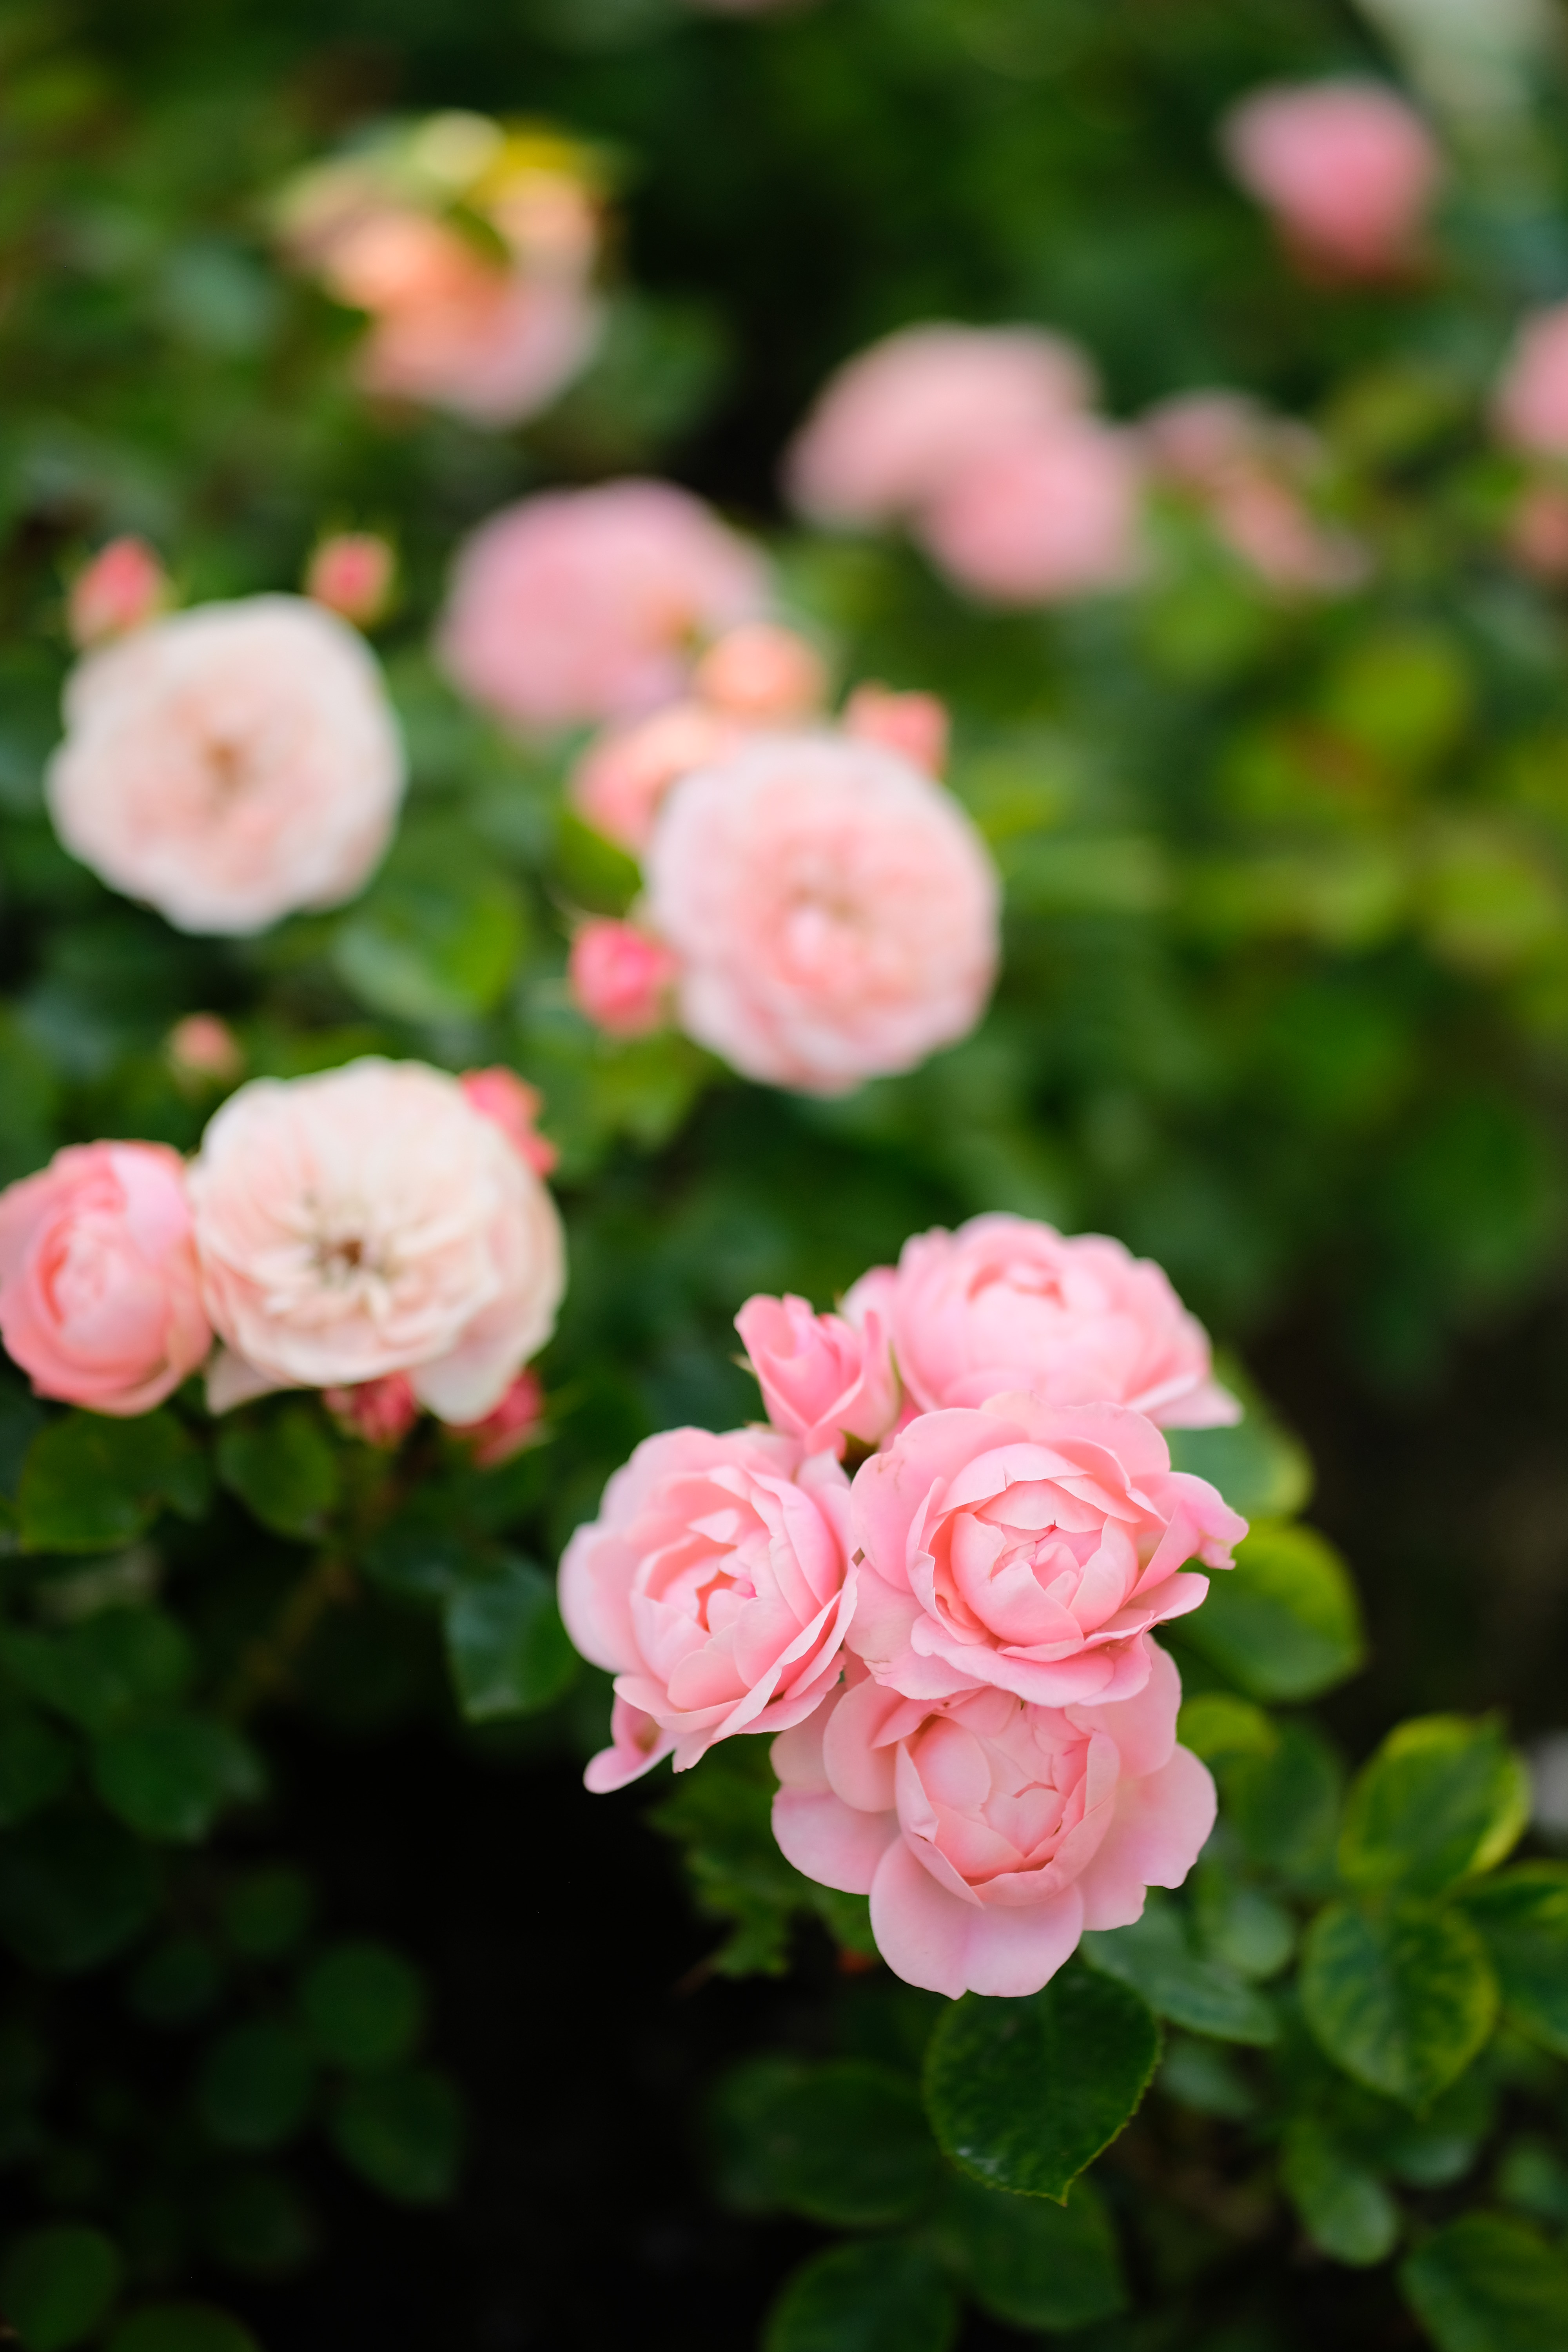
762 674
1043 519
123 587
229 765
822 1378
1531 404
582 605
203 1046
990 1833
352 574
915 725
513 1106
619 783
381 1412
715 1586
834 910
512 1424
1537 531
1348 169
496 349
1028 1547
369 1219
101 1300
1007 1302
1247 468
902 422
620 977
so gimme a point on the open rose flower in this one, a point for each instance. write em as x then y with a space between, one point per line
620 782
1006 1302
823 1379
714 1585
370 1220
834 911
1530 407
230 763
989 1834
101 1295
1042 519
1347 168
1030 1548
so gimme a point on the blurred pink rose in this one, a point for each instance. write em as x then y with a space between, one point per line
902 422
366 1220
1348 169
352 574
715 1586
510 1426
834 911
1247 468
513 1106
988 1833
1532 404
762 674
618 784
822 1379
915 725
203 1046
1009 1303
1047 517
1537 531
579 605
229 765
1028 1547
381 1412
123 587
100 1294
620 977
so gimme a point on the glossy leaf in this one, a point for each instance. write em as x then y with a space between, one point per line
1284 1806
1260 1469
107 1671
1285 1623
1346 2209
1402 1998
171 1777
880 2296
1486 2285
1522 1917
506 1645
364 2006
434 939
1155 1956
283 1467
1444 1798
846 2142
91 1483
1028 2262
404 2133
56 2285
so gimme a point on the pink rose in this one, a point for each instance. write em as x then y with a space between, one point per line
100 1297
762 673
366 1220
229 765
715 1586
494 345
822 1379
508 1427
380 1412
1028 1547
900 423
203 1046
1246 467
914 725
1006 1302
510 1103
1044 517
1538 531
620 977
619 783
580 606
834 910
352 574
123 587
1348 169
989 1834
1532 404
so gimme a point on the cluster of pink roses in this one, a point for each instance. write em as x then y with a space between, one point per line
972 1724
380 1232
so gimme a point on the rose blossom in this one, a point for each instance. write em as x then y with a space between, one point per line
901 422
1044 517
366 1220
989 1834
714 1585
1532 404
513 1106
1537 531
1347 168
620 977
123 587
508 1427
619 783
352 574
1245 467
915 725
1030 1547
100 1294
380 1412
834 910
203 1046
582 604
230 763
762 673
822 1378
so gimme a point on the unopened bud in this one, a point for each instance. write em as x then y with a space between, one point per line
123 587
352 574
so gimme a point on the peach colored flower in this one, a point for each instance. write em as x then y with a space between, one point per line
229 765
1348 169
582 605
1537 531
367 1221
352 574
620 977
762 674
822 1378
834 911
123 587
618 784
1531 406
1047 517
915 725
203 1046
100 1294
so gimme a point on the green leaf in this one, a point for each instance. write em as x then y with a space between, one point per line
1154 1956
283 1466
1522 1916
507 1650
91 1483
404 2133
34 1765
880 2296
56 2284
437 938
846 2142
181 2328
172 1778
1486 2285
1401 1998
1219 1727
74 1889
1025 2093
1285 1806
423 1554
1286 1622
1346 2209
1259 1469
364 2006
106 1671
1030 2263
723 1818
1443 1799
254 2088
1240 1925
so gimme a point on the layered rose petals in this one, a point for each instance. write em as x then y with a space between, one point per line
823 1379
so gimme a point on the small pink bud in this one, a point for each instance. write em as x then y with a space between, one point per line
512 1424
822 1377
352 574
619 976
914 724
203 1046
123 587
762 673
510 1103
381 1412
